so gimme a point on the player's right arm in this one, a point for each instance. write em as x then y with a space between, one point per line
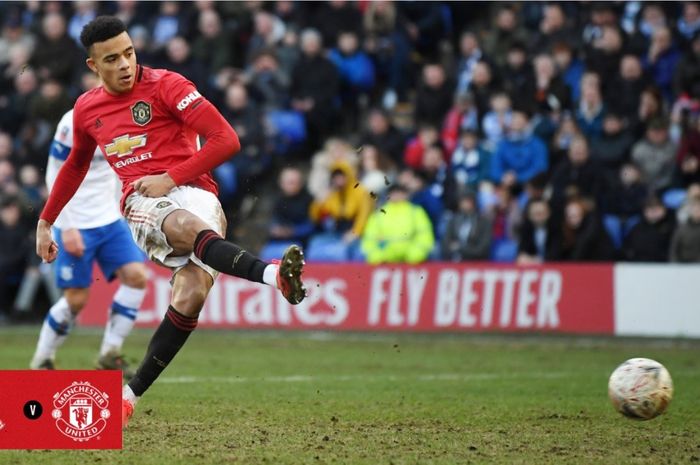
67 182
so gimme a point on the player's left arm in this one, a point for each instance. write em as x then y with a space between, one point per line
195 111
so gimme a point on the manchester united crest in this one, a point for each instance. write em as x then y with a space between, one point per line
80 411
141 112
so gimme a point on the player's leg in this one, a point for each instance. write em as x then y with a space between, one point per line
191 286
58 323
188 233
73 275
119 257
122 316
188 223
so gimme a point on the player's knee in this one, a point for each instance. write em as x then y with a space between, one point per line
189 300
134 275
181 228
77 299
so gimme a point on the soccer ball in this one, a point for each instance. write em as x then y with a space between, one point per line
640 388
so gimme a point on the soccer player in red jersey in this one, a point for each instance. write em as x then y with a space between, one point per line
146 122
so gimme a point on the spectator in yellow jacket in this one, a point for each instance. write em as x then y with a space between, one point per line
346 208
401 232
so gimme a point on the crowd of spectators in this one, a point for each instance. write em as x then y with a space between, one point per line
525 132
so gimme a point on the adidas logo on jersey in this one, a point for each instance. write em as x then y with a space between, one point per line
189 98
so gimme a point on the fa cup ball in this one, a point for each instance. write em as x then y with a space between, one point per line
640 388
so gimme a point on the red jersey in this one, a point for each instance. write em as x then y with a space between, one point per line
149 130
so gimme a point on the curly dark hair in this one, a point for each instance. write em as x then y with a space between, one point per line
100 29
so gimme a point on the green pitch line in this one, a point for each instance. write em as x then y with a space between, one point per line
268 398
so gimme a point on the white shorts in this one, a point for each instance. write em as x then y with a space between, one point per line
145 216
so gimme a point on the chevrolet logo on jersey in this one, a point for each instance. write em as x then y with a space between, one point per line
125 145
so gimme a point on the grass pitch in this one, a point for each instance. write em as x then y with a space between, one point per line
271 398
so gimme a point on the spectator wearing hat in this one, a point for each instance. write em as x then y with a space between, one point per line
400 232
467 233
650 239
344 211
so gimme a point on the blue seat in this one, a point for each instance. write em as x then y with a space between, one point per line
673 198
227 179
327 247
289 128
504 251
273 250
613 226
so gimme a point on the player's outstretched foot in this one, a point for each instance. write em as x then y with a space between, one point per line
289 275
46 364
115 361
127 412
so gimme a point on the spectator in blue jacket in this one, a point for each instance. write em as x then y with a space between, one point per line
354 66
661 61
356 72
520 155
